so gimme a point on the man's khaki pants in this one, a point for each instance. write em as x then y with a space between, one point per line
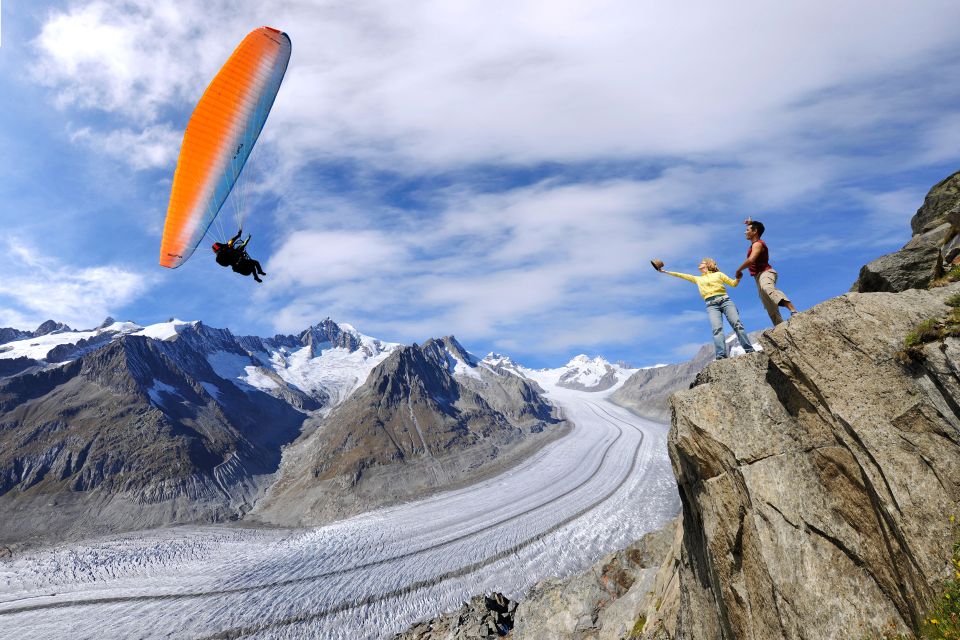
770 296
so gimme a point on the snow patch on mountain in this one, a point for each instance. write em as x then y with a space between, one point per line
461 362
159 388
503 363
212 389
161 330
328 362
37 348
336 371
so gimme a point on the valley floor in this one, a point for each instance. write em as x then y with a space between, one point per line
599 488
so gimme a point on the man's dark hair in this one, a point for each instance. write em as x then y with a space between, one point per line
758 227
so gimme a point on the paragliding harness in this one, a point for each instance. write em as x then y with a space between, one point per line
227 256
231 253
235 256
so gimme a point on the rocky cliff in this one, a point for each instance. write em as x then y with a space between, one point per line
817 477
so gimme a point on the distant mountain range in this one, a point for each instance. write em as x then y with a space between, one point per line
126 426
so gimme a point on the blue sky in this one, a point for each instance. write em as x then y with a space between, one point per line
501 171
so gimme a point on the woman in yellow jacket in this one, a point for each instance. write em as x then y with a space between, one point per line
710 282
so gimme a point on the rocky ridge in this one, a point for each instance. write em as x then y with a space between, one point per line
484 617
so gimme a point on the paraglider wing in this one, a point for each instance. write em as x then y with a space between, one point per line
219 137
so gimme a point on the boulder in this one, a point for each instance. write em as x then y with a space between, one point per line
935 237
943 197
908 268
935 243
484 617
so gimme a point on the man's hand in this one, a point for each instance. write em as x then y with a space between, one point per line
657 264
739 274
748 221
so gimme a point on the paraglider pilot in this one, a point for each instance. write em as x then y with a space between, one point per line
234 254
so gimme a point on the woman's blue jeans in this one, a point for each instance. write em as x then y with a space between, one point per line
717 307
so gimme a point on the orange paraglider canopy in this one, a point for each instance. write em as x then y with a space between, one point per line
219 138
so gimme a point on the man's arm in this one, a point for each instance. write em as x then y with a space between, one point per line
752 258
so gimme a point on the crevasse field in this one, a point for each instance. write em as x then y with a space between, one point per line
594 491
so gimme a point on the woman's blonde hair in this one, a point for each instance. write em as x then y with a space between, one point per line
710 264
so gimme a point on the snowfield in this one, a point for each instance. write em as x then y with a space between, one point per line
599 488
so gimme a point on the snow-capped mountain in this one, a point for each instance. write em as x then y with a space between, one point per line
126 426
325 362
582 373
427 417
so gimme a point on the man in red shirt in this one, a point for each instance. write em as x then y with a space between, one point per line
758 261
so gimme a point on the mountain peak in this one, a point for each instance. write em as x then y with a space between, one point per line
326 334
584 359
50 326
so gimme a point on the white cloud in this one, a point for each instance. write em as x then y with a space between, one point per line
942 140
487 262
150 148
557 81
37 288
133 59
319 258
748 107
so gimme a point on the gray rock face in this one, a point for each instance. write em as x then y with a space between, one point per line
942 198
415 426
603 603
908 268
328 333
50 327
816 477
483 618
8 334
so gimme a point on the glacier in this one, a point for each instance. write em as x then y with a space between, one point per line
605 484
593 491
